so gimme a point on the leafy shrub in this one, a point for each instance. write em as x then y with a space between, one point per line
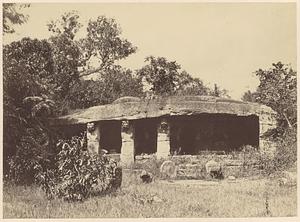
255 161
250 155
78 174
285 154
265 161
286 150
31 155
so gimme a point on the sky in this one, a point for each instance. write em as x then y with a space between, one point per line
222 43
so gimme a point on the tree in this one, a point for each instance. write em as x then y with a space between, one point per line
105 44
116 82
119 82
278 89
250 97
101 47
66 60
219 92
165 78
41 78
27 66
161 75
191 86
76 59
11 16
67 25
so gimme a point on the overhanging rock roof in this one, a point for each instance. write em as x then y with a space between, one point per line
129 108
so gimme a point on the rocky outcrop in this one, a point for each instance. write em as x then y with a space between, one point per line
130 108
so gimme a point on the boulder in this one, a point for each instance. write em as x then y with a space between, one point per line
212 165
231 178
214 169
146 176
156 199
117 178
168 169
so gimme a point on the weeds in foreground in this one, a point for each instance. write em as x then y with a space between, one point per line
241 198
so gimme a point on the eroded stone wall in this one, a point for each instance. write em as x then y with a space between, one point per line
267 122
193 166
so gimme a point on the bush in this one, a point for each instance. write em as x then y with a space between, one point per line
77 174
31 155
286 150
284 156
255 161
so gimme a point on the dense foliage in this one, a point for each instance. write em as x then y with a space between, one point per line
165 78
286 150
77 174
116 82
249 96
32 154
278 90
41 78
27 65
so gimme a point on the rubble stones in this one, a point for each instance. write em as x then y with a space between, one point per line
194 166
190 171
211 166
231 178
282 181
214 169
146 177
168 169
156 199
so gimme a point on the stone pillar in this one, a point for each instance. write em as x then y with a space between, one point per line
93 137
127 149
163 140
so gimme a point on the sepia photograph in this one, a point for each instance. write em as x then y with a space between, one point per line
145 109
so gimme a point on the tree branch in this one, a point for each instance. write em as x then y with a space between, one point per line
287 120
90 71
103 65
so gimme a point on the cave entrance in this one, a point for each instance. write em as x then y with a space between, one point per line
145 136
212 132
110 136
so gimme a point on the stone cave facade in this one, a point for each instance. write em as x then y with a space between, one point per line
173 126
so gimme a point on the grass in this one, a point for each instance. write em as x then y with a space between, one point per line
242 198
